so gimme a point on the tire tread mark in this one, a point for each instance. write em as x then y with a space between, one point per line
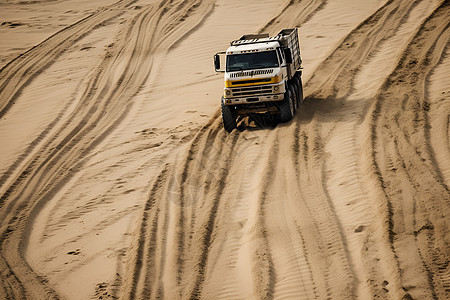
419 58
328 81
47 172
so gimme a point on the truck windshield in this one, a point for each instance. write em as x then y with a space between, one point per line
250 61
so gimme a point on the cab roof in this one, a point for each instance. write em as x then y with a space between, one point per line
254 47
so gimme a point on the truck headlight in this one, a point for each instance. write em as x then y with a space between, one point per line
227 92
277 79
276 88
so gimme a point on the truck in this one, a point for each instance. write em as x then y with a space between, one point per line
262 77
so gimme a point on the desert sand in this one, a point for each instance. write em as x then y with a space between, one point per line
117 179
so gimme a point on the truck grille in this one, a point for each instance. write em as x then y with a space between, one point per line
251 81
251 90
250 73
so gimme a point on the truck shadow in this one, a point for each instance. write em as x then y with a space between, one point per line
304 114
326 110
256 122
313 108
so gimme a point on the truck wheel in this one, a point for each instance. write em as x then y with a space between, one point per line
287 107
294 92
228 118
300 91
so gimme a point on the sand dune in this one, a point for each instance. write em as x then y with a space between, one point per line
117 179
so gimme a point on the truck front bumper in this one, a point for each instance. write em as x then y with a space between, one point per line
254 99
254 93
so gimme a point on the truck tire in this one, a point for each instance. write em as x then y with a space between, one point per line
294 91
297 92
300 89
228 118
287 107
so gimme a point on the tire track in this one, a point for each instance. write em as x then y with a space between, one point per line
14 77
301 162
331 240
330 80
332 245
183 240
401 225
102 107
149 246
196 291
344 173
264 269
382 25
233 252
437 99
185 225
291 261
294 14
18 73
406 137
197 162
390 14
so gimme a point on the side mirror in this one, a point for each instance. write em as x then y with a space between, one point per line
217 58
288 55
217 62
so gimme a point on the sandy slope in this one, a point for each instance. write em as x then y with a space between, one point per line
118 181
